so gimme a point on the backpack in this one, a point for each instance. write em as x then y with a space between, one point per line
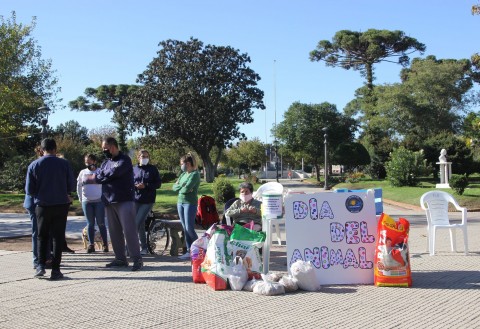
207 214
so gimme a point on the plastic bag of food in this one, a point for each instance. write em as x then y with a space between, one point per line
268 288
304 273
289 283
238 274
251 284
197 252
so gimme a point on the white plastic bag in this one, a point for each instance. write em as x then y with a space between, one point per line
268 288
289 283
238 274
251 284
304 274
274 277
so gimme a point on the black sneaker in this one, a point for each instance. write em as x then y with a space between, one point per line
39 272
67 250
56 275
105 248
137 265
90 249
117 263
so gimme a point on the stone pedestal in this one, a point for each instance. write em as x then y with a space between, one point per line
445 174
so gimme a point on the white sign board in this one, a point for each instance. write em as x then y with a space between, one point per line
336 232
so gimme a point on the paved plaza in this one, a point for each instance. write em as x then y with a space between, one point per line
445 292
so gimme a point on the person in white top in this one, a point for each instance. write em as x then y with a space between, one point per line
90 196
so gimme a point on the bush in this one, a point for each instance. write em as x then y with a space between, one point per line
458 183
167 176
223 190
354 177
13 173
405 167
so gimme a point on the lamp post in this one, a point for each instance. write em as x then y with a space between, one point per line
44 110
325 171
275 143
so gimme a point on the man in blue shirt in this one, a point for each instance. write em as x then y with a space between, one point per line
116 176
50 182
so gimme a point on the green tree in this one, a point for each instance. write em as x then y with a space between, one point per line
27 82
73 131
351 155
198 95
361 50
405 167
302 130
110 98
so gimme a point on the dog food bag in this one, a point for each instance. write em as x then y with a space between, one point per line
392 259
214 267
198 251
246 244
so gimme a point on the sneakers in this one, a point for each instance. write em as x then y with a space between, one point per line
90 249
56 275
137 265
185 256
117 263
105 248
144 252
39 272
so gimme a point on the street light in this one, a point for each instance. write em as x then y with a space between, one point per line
275 143
325 171
44 110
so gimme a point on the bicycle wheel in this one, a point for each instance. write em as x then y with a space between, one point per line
158 237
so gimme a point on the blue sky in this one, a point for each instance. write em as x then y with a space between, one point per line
95 42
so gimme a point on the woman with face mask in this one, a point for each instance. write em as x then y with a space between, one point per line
90 196
187 188
147 180
246 209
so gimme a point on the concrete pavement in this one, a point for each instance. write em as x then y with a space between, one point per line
445 293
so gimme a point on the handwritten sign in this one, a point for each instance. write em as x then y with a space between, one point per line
336 232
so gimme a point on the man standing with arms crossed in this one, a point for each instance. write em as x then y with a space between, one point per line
116 177
50 181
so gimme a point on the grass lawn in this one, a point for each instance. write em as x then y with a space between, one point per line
411 195
166 201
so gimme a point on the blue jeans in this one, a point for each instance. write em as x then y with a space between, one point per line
187 212
142 210
95 211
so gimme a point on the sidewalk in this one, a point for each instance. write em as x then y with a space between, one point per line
445 293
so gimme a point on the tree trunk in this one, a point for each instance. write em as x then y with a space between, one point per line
369 74
317 172
209 169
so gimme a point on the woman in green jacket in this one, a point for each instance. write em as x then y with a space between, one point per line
187 188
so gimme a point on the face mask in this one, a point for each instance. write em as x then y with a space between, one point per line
90 166
245 197
183 167
107 154
144 161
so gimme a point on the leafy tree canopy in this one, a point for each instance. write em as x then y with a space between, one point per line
197 94
302 129
110 98
26 82
361 50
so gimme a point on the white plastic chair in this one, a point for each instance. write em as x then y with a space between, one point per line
435 204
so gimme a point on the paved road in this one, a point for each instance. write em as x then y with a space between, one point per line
445 293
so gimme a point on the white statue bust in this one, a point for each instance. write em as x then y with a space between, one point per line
443 156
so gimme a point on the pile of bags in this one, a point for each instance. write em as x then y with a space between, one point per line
224 257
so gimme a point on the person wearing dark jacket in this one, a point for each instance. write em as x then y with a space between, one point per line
118 194
50 182
147 180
